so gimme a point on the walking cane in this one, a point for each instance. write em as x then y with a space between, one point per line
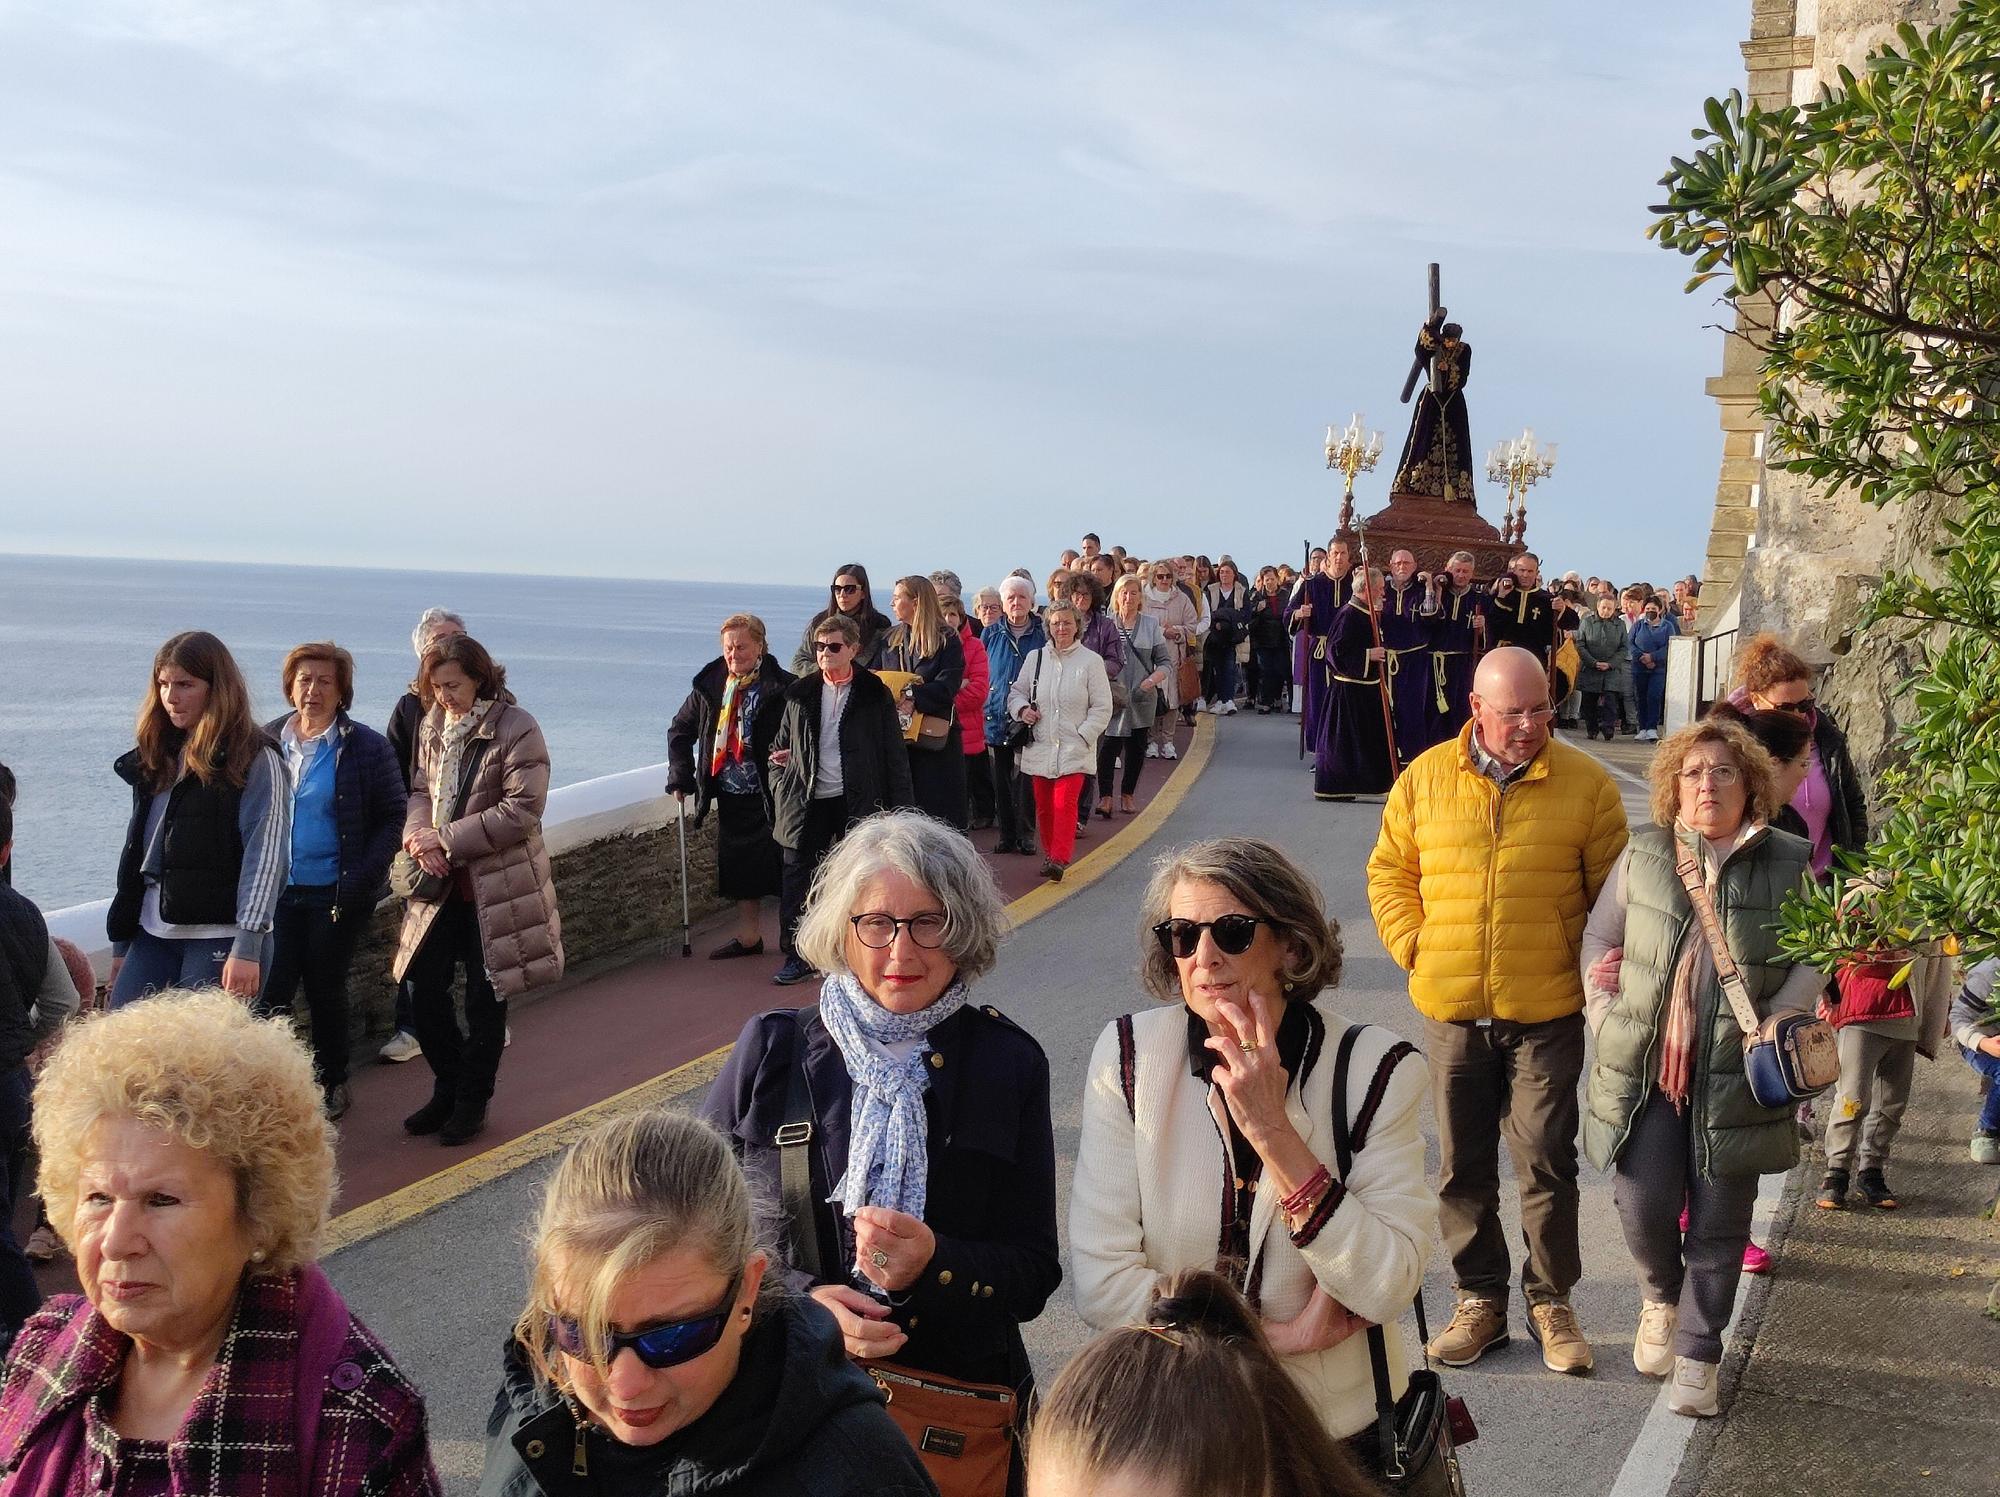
1375 627
1305 572
680 832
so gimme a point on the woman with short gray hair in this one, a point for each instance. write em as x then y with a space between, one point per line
1237 1082
926 1224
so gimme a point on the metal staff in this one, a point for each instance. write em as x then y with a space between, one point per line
680 831
1375 628
1305 571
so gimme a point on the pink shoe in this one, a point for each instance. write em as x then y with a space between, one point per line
1684 1221
1755 1259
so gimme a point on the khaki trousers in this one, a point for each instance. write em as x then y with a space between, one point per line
1515 1081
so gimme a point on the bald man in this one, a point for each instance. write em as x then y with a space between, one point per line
1406 631
1493 849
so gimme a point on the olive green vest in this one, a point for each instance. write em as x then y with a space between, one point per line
1732 1135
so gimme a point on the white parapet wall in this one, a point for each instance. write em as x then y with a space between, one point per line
613 805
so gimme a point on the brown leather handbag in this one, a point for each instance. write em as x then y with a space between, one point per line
962 1432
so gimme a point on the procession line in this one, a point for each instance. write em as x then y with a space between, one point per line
386 1213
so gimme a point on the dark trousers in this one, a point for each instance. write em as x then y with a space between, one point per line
1518 1082
826 823
465 1062
1649 685
1696 1271
19 1295
979 787
1129 746
312 943
1218 675
1013 799
1274 676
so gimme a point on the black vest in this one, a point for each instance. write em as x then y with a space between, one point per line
201 851
24 963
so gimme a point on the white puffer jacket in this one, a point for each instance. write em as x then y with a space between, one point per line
1072 692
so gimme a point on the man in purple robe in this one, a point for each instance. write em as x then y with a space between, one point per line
1406 631
1457 607
1353 755
1312 612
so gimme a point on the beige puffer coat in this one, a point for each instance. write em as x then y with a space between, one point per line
497 838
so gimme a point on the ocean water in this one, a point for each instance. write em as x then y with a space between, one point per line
602 664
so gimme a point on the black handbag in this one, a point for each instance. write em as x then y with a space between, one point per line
1416 1438
1021 734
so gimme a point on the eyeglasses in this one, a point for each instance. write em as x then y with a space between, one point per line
662 1346
1722 776
847 589
878 931
1233 934
1523 719
829 646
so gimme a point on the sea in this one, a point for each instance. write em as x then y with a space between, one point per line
602 663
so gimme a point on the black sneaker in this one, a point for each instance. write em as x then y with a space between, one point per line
796 969
468 1121
1875 1190
1833 1191
430 1117
337 1101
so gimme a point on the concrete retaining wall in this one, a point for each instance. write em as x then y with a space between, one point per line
617 876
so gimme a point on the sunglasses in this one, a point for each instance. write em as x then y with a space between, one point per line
662 1346
847 589
829 646
1803 706
1233 934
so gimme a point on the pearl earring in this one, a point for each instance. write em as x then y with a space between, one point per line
257 1256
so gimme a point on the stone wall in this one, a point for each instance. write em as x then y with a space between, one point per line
619 896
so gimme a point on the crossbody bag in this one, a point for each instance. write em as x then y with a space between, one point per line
1786 1058
963 1432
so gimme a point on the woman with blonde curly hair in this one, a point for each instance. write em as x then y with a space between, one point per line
657 1351
187 1162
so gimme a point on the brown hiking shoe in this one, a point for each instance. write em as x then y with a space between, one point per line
1477 1326
1564 1349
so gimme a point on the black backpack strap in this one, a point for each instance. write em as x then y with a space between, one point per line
795 1136
1128 1065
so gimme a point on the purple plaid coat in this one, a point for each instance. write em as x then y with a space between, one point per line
301 1400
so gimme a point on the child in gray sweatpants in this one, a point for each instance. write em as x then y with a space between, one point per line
1878 1061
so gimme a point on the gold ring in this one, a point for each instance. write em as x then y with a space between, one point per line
879 1258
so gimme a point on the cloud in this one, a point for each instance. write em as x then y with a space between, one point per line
872 274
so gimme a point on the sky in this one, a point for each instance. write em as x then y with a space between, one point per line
710 291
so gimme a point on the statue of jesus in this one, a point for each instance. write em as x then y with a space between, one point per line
1437 456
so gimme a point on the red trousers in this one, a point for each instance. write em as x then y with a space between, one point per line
1055 815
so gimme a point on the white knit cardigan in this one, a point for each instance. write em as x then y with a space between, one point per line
1150 1183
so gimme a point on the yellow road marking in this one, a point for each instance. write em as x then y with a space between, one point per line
424 1196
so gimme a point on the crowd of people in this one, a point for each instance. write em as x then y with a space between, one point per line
819 1281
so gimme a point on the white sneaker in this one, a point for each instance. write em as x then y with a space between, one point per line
1650 735
1228 709
1696 1389
1168 751
1152 751
509 1039
1200 705
401 1046
1653 1347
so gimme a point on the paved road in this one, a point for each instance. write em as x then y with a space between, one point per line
442 1289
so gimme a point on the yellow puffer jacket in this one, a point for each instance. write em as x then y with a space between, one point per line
1481 897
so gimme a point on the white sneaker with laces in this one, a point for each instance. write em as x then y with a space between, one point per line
1696 1389
1653 1346
1228 709
1152 751
401 1046
1168 751
1200 705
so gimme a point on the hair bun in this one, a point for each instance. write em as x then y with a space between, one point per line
1202 1302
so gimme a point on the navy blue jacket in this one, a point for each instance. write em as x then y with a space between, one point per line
369 799
992 1183
1004 654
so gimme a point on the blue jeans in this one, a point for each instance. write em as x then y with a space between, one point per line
1989 1067
1649 684
153 965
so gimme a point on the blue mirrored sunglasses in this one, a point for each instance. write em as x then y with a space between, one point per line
659 1346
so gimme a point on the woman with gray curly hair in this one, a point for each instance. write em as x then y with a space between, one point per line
188 1164
924 1217
1232 1089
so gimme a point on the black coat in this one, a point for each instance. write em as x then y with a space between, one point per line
992 1178
939 676
406 720
691 738
1848 824
874 761
797 1420
370 798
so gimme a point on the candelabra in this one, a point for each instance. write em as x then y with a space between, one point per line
1520 465
1352 450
